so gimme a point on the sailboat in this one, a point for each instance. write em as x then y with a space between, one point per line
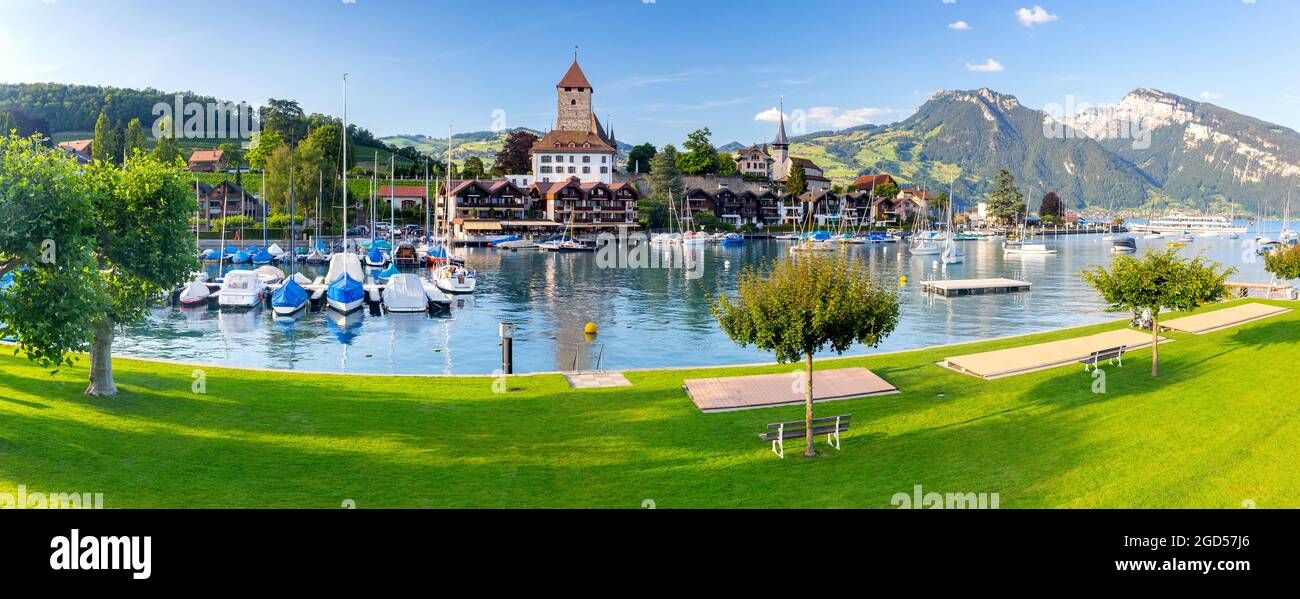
290 297
923 243
1024 248
951 253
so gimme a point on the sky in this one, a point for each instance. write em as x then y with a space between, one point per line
662 68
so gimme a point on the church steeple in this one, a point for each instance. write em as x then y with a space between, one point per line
780 141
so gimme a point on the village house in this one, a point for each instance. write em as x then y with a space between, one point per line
207 161
587 206
404 197
754 161
79 148
869 183
578 145
783 164
225 199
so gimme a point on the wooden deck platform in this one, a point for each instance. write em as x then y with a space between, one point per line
1218 320
955 287
769 390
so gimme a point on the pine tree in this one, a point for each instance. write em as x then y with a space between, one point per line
797 183
100 148
1005 201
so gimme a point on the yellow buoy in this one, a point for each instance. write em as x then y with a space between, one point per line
590 329
902 280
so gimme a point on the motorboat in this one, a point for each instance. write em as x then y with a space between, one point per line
375 258
566 245
289 298
241 289
388 273
210 256
515 244
455 279
1186 237
269 275
405 255
241 257
345 294
275 251
405 293
1123 245
733 239
1030 249
195 292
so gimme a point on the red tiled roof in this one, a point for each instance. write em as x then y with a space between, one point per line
571 141
872 181
916 193
79 146
574 78
207 156
401 191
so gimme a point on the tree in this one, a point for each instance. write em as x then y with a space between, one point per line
101 148
726 165
665 185
888 190
1284 263
797 183
7 124
264 144
134 138
700 158
640 158
1158 280
285 118
1005 201
1051 206
513 158
802 305
939 206
473 168
167 150
88 249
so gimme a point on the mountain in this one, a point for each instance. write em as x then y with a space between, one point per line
732 147
969 136
484 144
1195 151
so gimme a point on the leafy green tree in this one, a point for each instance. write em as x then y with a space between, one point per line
800 306
265 143
797 183
7 123
134 139
1006 202
473 168
726 165
513 158
640 158
1051 206
284 118
939 205
700 157
167 150
665 183
97 244
102 146
1284 263
307 165
888 190
1156 281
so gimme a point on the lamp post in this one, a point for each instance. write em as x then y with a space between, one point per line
507 347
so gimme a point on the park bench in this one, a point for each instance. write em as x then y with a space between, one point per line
778 432
1111 355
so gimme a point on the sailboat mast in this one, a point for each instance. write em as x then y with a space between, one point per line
446 189
428 199
344 166
263 203
292 208
392 197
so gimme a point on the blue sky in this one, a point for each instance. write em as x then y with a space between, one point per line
662 68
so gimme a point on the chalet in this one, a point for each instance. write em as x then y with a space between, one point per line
405 197
79 148
590 206
754 161
207 161
225 199
908 205
697 200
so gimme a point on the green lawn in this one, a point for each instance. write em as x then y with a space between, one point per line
1220 426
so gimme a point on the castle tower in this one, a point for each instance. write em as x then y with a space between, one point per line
573 97
780 149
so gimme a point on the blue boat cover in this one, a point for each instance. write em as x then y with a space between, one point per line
241 257
230 249
252 250
375 255
320 245
388 273
289 295
437 252
384 245
262 257
345 290
209 254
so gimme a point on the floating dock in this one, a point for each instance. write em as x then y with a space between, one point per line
955 287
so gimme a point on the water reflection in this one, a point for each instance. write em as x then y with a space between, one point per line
648 317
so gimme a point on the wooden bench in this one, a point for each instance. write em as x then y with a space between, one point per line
1111 355
778 432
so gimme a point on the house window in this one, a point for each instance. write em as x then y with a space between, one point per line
602 159
546 169
586 170
571 169
586 158
604 169
573 102
546 158
571 159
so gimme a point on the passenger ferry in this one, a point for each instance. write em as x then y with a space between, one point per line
1184 223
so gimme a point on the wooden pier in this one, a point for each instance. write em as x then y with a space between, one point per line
957 287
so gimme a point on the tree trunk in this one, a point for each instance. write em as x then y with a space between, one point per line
1155 342
101 361
808 409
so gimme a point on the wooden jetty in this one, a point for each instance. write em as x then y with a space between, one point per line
955 287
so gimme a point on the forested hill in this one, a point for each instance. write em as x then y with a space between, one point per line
76 107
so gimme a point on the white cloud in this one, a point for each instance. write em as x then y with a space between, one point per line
1247 1
1211 96
827 116
771 115
988 66
1034 16
949 1
959 26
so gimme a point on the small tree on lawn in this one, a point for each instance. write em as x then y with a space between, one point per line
1284 263
88 249
798 307
1155 281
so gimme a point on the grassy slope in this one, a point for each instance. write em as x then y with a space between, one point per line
1218 427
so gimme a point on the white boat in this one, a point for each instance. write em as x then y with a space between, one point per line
455 279
1177 222
275 250
342 263
1030 249
787 237
924 247
565 245
196 292
1186 237
405 293
516 244
951 253
241 289
1153 236
269 275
